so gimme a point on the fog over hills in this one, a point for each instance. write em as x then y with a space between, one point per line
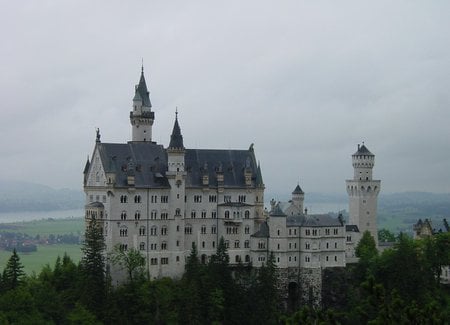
18 196
23 196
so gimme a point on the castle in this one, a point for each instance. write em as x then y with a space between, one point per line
161 201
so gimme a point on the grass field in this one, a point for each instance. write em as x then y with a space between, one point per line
46 254
46 227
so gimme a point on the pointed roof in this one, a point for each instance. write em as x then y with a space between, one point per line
86 167
259 179
298 190
362 150
141 92
176 139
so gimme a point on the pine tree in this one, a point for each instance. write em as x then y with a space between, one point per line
93 268
13 273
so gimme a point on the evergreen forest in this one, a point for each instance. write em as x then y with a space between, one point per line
400 286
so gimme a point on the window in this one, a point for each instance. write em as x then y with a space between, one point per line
213 230
227 214
193 214
154 199
153 214
247 230
278 246
123 199
164 216
237 258
153 247
278 232
213 214
290 232
163 245
123 215
242 198
153 231
290 245
315 232
123 232
142 231
335 231
197 198
307 259
203 230
307 232
213 244
164 260
261 258
188 230
236 244
154 261
261 245
164 230
203 214
327 232
307 246
178 243
335 258
335 245
227 244
295 232
247 214
247 244
328 245
137 199
326 258
142 246
213 198
203 244
164 198
137 215
123 247
178 258
349 238
227 198
177 212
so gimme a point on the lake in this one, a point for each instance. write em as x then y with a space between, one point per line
6 217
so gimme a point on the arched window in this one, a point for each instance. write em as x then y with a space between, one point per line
123 215
142 231
142 246
247 214
153 231
227 214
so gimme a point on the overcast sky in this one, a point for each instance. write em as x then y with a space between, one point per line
305 81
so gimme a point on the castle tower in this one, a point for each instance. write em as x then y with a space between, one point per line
298 197
141 117
363 192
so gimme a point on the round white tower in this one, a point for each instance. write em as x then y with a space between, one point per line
141 117
363 192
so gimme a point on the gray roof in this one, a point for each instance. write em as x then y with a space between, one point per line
440 226
351 228
298 190
313 220
142 92
149 161
263 231
362 150
277 211
176 139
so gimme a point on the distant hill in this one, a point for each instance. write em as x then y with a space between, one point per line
22 196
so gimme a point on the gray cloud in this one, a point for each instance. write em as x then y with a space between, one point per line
304 81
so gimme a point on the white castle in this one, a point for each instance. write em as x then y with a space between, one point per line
161 201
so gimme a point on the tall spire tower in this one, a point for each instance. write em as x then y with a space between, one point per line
363 192
141 117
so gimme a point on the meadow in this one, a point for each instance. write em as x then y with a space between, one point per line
46 254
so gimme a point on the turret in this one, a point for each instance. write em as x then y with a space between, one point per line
363 192
141 116
298 197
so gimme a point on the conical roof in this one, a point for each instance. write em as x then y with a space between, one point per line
141 92
362 150
176 139
298 190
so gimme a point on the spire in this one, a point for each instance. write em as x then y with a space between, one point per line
86 167
176 139
141 92
298 190
259 179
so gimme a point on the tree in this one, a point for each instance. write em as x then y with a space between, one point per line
384 235
366 248
13 273
93 268
131 260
